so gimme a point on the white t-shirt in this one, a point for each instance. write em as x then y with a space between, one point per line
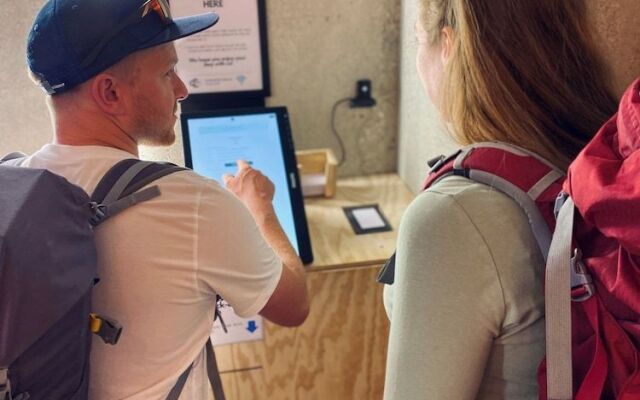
161 264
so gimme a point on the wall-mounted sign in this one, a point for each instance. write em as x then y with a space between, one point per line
231 56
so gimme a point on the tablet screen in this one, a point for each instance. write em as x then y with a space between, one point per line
214 141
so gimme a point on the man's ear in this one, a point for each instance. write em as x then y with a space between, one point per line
109 93
446 41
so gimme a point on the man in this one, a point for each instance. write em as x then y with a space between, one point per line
109 67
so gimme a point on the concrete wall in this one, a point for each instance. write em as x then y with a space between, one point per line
422 135
24 120
618 38
318 50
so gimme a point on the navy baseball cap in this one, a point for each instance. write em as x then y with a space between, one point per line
72 41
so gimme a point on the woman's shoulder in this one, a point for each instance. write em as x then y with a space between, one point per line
459 219
478 233
479 203
457 215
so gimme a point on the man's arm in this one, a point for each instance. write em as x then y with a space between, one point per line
289 303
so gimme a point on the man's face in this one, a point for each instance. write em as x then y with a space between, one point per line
156 91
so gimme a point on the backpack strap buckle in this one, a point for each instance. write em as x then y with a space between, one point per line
98 214
438 162
107 328
582 287
560 200
218 314
5 385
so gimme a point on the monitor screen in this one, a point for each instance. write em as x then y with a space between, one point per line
214 141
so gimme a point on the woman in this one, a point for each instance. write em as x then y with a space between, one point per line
467 307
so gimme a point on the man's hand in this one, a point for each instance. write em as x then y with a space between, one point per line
289 302
253 188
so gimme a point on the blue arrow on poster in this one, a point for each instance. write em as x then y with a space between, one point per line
239 329
251 326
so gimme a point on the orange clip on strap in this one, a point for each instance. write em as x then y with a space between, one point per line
107 328
95 323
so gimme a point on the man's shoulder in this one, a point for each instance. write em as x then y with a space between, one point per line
187 184
190 178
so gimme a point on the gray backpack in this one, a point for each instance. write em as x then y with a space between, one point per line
48 270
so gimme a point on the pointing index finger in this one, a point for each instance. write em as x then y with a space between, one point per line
242 164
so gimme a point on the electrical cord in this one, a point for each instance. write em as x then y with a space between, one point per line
343 152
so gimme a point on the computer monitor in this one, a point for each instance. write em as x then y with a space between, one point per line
214 140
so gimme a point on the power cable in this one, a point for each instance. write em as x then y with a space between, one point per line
343 152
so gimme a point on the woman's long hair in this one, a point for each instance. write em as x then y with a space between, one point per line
522 72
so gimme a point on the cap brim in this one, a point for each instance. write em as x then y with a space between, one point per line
182 27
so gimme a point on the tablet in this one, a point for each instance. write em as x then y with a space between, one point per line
214 140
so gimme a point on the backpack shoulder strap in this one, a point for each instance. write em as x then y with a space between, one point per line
212 372
530 180
120 188
13 159
524 169
558 279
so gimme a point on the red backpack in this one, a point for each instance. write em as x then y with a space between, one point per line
592 283
595 333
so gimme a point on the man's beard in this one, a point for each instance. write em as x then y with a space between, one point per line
146 127
166 138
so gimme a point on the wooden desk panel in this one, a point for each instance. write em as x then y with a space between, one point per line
339 353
